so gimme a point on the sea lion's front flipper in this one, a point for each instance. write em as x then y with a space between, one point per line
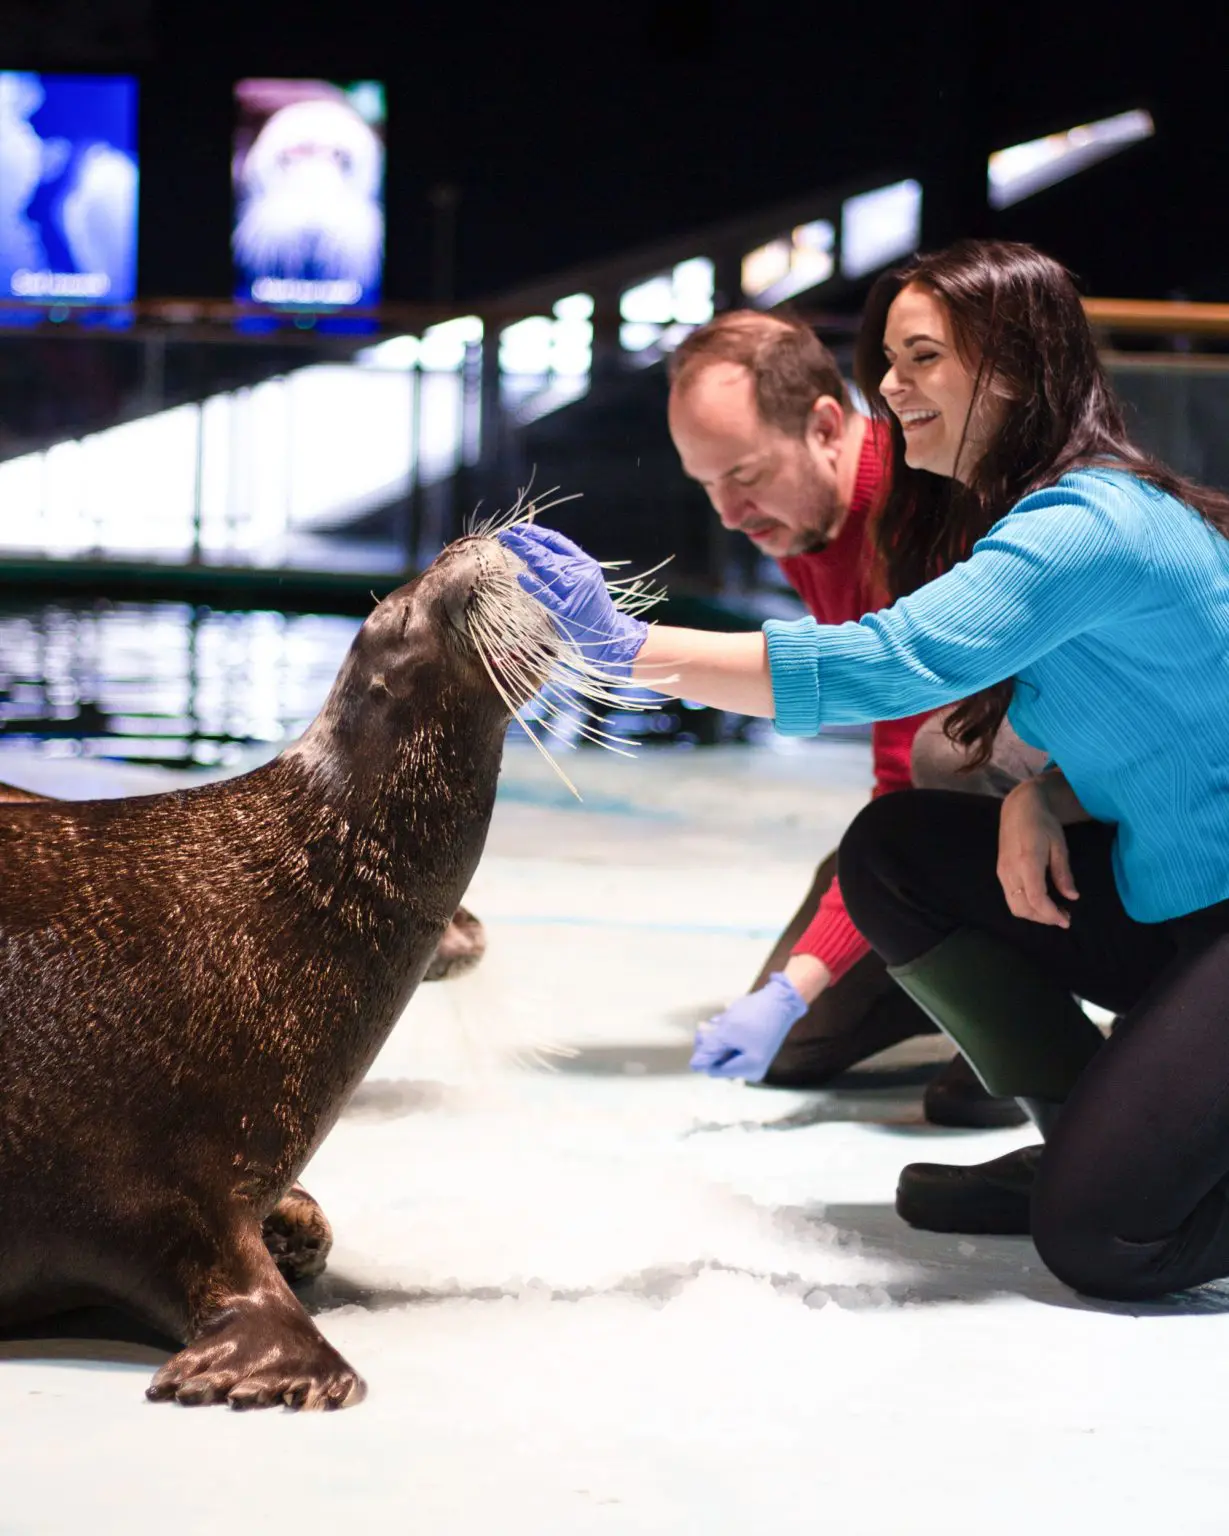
298 1235
254 1346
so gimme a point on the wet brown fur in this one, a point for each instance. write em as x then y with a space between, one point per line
296 1231
192 984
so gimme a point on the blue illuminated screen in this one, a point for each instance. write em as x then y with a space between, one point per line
308 176
68 187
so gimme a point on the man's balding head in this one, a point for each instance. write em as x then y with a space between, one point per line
760 416
790 367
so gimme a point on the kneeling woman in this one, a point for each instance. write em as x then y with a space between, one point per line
1086 594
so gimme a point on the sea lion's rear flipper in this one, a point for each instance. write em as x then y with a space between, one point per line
253 1346
461 948
298 1236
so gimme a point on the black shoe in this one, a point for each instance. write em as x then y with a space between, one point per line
987 1197
955 1096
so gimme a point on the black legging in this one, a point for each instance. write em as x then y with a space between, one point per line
1132 1194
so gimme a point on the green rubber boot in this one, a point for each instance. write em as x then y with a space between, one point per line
1024 1036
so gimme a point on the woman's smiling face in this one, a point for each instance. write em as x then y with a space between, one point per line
930 388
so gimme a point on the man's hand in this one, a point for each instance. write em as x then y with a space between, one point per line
809 975
1032 845
742 1041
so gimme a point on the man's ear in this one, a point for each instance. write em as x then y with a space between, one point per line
826 421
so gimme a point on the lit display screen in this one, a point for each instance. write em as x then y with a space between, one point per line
308 175
68 188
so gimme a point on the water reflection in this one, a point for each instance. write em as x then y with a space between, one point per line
188 686
167 683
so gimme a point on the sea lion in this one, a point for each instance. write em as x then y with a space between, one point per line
192 984
296 1231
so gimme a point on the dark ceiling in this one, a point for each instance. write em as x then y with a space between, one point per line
572 133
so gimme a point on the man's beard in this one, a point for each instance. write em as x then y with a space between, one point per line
829 520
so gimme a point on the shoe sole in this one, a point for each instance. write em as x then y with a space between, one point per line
935 1198
982 1114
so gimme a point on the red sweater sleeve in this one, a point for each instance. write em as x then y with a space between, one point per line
831 936
892 754
837 584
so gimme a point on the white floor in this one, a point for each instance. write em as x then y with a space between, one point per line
604 1295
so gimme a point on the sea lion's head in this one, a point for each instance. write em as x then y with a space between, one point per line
511 636
462 642
468 617
463 638
466 644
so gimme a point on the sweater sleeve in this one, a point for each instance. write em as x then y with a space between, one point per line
892 754
831 935
1063 561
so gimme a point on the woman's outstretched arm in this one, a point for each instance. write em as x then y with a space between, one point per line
726 671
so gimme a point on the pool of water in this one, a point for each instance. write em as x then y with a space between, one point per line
189 686
165 683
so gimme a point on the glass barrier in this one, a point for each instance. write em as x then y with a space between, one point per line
167 683
217 453
1178 408
289 450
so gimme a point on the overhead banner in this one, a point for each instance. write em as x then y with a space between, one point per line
308 176
68 188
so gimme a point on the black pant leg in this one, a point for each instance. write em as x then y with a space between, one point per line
1132 1193
917 866
1132 1196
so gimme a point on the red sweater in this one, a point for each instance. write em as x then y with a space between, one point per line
838 584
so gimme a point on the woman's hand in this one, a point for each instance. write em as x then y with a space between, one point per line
570 586
1032 846
726 671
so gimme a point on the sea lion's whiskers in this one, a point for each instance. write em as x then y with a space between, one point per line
600 739
580 727
569 699
570 707
636 590
513 710
523 510
537 506
525 657
488 652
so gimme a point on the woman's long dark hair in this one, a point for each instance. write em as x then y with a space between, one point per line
1018 323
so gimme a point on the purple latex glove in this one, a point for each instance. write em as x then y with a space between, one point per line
742 1041
569 585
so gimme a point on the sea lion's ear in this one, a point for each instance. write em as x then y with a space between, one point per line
378 685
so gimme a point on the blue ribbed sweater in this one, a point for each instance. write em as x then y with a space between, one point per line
1108 602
